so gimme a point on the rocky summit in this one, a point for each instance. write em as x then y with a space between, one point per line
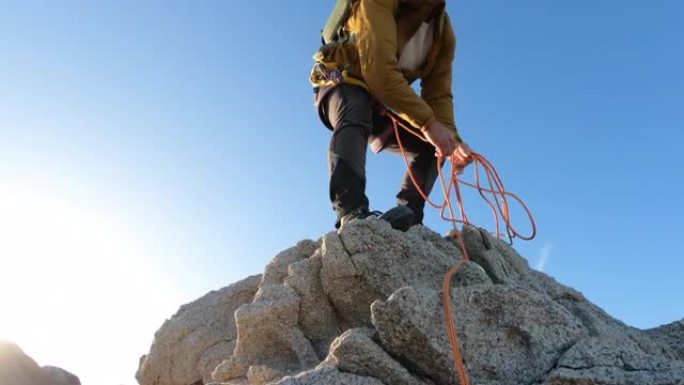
362 306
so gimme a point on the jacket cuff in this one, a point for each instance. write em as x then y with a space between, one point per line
424 127
420 118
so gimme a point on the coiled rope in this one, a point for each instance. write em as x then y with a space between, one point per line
494 195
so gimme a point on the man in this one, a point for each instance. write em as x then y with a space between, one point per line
386 45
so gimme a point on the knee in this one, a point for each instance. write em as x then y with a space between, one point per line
349 108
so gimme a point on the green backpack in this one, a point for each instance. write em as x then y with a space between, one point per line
333 30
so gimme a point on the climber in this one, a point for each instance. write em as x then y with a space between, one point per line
365 69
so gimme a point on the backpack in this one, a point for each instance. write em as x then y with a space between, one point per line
333 31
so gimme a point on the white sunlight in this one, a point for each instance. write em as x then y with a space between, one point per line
75 290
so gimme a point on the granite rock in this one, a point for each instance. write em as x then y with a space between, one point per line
363 306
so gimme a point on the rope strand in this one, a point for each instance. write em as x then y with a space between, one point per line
497 202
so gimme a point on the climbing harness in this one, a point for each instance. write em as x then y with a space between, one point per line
494 195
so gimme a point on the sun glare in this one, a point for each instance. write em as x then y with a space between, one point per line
74 290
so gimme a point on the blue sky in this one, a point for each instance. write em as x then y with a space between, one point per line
179 139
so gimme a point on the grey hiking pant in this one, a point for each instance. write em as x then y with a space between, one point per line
355 119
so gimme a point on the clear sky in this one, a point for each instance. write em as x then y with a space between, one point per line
151 151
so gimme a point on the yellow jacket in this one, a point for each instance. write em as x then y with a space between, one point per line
367 55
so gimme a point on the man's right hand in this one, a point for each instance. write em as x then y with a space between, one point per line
440 136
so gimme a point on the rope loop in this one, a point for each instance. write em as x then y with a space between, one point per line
494 195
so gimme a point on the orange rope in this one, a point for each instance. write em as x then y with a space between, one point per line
499 209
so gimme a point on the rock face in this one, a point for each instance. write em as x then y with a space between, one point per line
363 306
59 376
187 348
16 368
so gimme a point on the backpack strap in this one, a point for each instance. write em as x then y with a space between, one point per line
333 30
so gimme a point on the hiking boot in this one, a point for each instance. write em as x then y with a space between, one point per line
400 217
360 213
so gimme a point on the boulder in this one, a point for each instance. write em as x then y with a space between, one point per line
59 376
17 368
189 346
671 335
363 306
358 351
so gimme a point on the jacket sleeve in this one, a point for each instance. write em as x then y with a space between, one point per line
436 86
376 41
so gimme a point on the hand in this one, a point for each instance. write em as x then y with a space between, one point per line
461 157
443 138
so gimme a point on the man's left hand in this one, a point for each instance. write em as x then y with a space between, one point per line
461 157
